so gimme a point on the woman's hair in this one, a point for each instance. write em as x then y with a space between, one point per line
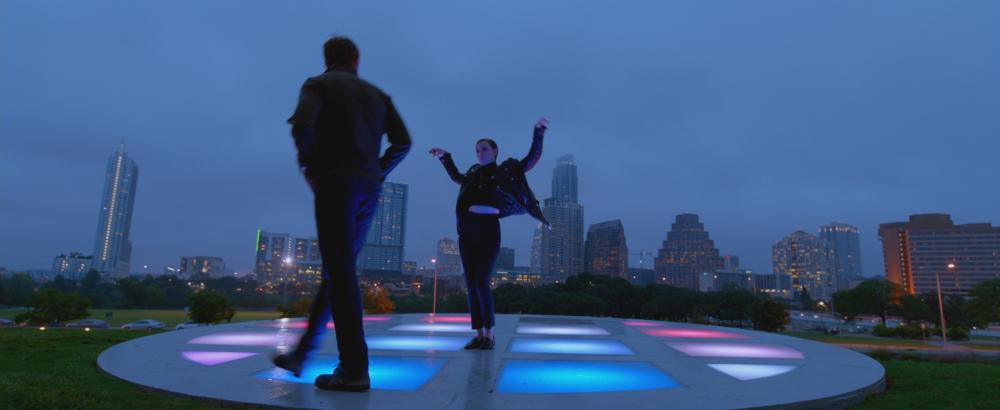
493 144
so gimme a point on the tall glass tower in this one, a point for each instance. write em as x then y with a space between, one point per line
844 239
560 249
383 249
112 246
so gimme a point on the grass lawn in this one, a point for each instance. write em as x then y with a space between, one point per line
169 317
57 369
937 385
863 340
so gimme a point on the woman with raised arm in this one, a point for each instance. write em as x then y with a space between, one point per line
489 192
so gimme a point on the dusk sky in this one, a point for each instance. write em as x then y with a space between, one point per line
763 117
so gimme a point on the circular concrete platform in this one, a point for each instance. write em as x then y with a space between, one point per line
540 362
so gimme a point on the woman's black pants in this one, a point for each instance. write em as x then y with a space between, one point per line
479 244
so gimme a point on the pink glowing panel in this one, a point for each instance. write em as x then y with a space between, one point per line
214 358
247 339
376 318
637 323
757 351
691 333
446 319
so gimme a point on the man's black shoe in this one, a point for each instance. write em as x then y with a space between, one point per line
475 343
289 362
337 381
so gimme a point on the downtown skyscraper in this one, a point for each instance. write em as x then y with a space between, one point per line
383 249
918 251
845 243
606 252
808 260
112 246
686 254
560 249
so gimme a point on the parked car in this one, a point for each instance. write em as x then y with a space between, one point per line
91 323
144 324
189 324
7 322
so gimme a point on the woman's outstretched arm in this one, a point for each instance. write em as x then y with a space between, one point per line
535 153
449 165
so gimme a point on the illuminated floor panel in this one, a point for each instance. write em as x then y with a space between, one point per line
682 333
214 358
434 327
561 330
546 376
746 372
419 343
755 351
570 346
447 319
388 373
248 339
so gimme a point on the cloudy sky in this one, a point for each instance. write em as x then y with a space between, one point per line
763 117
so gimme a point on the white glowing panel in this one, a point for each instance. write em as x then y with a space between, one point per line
570 346
746 372
756 351
434 327
561 330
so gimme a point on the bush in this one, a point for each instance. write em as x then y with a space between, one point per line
210 306
958 334
297 308
50 306
881 330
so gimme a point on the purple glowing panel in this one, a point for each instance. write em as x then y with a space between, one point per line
691 333
214 358
247 339
434 327
755 351
746 372
561 330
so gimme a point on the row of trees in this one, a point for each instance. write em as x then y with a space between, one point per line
149 292
883 299
600 295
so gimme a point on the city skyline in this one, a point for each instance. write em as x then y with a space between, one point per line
697 123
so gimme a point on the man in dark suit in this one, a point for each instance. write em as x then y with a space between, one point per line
338 127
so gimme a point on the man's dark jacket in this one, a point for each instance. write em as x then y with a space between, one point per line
338 127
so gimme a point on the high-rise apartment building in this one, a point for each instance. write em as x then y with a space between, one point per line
112 246
605 250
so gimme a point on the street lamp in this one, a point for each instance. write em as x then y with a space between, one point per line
285 263
937 277
434 303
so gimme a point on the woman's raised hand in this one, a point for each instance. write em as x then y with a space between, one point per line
438 152
542 123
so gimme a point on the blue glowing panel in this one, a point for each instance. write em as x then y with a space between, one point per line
545 376
388 373
435 327
570 346
746 372
423 343
561 330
